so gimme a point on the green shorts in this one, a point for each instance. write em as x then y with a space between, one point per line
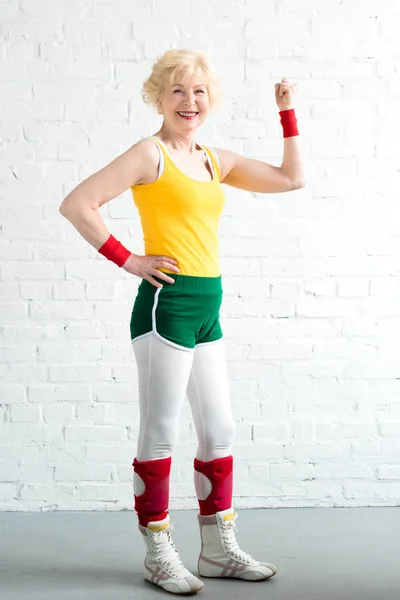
184 314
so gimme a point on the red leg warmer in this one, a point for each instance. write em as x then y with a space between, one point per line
220 474
152 505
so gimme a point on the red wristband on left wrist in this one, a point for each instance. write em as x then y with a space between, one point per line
289 122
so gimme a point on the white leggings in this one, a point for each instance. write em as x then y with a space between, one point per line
166 374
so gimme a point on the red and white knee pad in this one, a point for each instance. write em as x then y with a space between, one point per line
214 482
152 489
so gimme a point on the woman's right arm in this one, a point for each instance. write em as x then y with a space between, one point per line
81 206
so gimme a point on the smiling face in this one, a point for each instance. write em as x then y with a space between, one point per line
185 104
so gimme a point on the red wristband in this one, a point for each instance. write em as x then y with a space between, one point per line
115 251
289 123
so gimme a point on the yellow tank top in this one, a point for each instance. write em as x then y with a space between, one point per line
180 217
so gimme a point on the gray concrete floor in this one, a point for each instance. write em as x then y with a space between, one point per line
329 554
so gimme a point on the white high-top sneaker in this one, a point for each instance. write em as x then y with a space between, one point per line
162 564
220 554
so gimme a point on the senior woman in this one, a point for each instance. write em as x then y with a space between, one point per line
175 327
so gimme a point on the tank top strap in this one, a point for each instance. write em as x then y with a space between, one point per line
165 157
214 159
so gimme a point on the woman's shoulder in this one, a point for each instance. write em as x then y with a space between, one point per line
149 157
146 146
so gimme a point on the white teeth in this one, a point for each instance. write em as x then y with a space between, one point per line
186 114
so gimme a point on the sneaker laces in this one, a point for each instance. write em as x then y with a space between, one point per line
164 551
228 529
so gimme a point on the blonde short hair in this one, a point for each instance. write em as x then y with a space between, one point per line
182 65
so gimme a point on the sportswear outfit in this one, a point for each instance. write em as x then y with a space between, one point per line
177 340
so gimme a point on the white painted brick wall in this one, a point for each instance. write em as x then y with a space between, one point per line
312 289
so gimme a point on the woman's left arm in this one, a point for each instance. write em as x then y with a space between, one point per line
258 176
